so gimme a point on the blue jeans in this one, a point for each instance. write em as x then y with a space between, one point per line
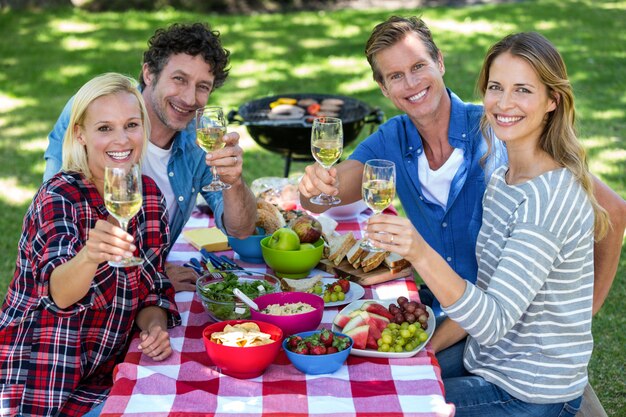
473 396
95 412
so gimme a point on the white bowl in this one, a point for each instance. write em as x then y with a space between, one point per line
347 211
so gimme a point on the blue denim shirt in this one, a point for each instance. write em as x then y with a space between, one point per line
451 232
187 171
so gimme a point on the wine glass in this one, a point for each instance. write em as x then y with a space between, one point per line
210 131
326 147
378 189
123 199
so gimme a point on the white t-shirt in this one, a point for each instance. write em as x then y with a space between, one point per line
436 184
154 165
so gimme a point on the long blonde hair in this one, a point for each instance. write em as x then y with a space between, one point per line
558 138
75 153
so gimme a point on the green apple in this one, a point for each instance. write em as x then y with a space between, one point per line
284 239
307 246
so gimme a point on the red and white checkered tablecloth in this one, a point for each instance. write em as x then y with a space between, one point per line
187 384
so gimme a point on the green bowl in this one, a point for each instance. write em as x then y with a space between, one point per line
292 263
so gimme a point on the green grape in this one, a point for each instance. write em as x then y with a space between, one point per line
341 296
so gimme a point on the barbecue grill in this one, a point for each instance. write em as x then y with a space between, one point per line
291 138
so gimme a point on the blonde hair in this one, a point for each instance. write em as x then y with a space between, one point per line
75 153
558 138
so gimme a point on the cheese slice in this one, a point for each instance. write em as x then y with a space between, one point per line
211 239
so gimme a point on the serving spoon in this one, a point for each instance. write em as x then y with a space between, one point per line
239 294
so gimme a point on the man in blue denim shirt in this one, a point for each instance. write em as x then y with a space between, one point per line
437 148
182 66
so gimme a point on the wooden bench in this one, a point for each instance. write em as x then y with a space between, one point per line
591 406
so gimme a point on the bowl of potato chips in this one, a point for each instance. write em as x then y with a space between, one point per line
242 349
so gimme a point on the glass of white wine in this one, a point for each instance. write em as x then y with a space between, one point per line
378 189
123 199
326 147
210 131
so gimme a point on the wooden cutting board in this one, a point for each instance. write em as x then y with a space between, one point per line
375 276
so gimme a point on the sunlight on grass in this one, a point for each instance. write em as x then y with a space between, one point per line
8 104
345 65
15 194
317 43
65 26
356 85
613 114
469 26
67 71
76 44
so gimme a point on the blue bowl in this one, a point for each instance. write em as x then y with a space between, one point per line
248 249
318 364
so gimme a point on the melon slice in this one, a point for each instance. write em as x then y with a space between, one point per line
355 321
375 320
359 335
341 320
372 307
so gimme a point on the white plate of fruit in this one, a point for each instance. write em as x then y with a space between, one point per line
365 322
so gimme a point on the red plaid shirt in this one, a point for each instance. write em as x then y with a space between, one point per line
60 361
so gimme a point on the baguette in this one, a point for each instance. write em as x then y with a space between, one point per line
340 246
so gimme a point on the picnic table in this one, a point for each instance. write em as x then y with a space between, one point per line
188 384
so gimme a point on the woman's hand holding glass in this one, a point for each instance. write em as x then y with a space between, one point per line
123 199
378 190
326 148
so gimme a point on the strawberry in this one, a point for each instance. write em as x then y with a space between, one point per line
318 350
301 349
345 285
331 349
293 342
326 337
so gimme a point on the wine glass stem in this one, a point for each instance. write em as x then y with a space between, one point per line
216 177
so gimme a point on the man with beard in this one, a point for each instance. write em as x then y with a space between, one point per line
182 66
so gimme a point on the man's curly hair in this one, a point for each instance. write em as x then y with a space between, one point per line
191 39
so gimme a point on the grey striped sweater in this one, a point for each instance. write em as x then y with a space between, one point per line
529 314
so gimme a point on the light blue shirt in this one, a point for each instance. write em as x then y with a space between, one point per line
187 171
451 231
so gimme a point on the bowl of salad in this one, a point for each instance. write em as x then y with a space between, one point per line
215 290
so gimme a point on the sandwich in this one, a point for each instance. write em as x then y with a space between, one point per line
300 285
395 262
373 260
355 254
339 247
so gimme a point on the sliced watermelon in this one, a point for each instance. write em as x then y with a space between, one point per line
371 341
378 309
375 320
341 320
359 335
365 304
354 322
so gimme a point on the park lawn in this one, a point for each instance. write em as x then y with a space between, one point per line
46 55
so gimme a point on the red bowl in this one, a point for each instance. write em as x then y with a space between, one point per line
297 322
242 362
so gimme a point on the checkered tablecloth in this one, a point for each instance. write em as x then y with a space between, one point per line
188 384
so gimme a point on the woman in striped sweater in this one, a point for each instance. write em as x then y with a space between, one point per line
527 320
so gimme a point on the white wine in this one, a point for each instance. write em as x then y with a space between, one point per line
326 152
125 209
211 138
378 194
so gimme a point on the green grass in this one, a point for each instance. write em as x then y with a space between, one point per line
46 56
